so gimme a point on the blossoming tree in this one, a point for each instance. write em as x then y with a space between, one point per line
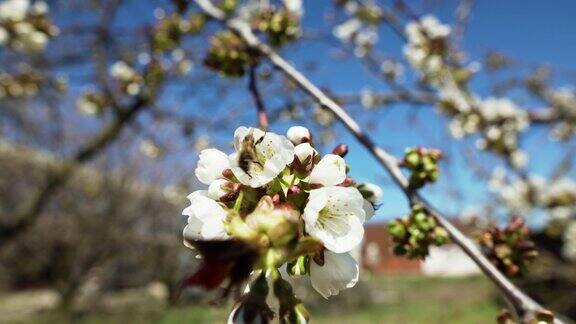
275 209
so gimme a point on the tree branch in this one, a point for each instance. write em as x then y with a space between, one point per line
253 88
525 305
29 212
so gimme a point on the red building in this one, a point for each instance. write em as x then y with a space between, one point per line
377 255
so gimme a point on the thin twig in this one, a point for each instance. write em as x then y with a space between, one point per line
253 88
525 305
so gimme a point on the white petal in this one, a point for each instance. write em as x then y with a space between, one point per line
205 218
211 164
368 209
294 6
334 215
330 171
216 191
14 10
339 272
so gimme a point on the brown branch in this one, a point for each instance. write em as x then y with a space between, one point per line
253 89
28 213
525 305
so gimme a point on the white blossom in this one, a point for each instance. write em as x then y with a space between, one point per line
569 247
504 110
294 6
4 37
561 192
347 29
518 159
330 171
339 271
87 106
122 71
33 41
39 8
334 215
272 153
368 99
205 218
210 165
14 10
150 149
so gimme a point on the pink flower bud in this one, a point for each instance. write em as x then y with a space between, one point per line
341 150
228 174
348 182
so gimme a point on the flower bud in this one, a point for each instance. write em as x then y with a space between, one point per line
370 192
228 174
348 182
218 189
397 229
340 150
275 223
298 135
304 157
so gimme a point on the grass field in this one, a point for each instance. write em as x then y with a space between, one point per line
405 300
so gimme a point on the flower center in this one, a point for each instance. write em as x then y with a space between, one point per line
333 219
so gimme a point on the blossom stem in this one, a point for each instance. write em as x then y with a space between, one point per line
524 304
238 202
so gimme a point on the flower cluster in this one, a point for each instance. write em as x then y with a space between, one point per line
228 54
563 101
414 234
281 26
277 196
423 164
25 27
361 29
171 28
510 249
19 85
91 103
130 80
498 121
427 45
558 197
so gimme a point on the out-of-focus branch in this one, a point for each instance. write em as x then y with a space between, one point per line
29 212
253 88
462 18
525 305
